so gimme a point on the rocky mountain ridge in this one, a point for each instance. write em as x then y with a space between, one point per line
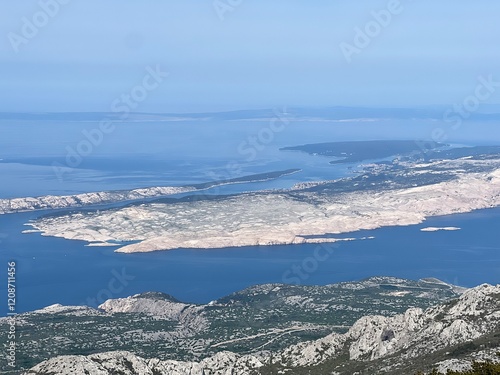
447 335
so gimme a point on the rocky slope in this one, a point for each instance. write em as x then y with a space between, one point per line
404 337
126 363
400 193
445 335
85 199
262 318
159 305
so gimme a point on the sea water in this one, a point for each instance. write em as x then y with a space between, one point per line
54 270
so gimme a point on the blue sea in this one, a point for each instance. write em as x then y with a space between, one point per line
54 270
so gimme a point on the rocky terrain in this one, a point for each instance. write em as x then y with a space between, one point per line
380 325
446 336
261 319
52 202
49 202
386 194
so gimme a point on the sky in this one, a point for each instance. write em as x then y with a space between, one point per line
84 55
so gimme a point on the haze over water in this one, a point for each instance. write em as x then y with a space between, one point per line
54 270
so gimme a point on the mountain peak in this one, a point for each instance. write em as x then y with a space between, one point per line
462 329
157 296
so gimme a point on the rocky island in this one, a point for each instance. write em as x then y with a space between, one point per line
403 192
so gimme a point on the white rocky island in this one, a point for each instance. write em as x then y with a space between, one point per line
407 194
51 202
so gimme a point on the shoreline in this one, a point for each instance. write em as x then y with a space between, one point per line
91 199
273 219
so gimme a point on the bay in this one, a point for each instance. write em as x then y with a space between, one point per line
53 270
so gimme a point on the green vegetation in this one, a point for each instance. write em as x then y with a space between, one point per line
478 368
265 317
349 152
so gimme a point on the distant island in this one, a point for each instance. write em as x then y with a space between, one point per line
355 151
434 229
105 197
403 192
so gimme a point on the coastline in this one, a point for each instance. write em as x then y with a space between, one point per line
205 225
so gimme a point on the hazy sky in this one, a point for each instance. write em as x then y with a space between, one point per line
232 54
